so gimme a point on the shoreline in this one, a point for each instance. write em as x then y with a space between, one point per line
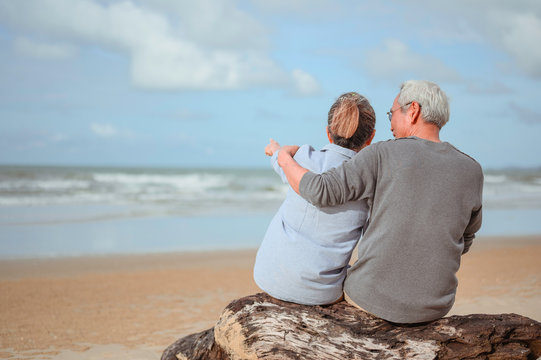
133 306
66 266
15 268
149 230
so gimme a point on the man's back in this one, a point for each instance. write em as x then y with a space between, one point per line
424 197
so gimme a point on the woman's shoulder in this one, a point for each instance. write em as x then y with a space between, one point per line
308 153
307 156
321 160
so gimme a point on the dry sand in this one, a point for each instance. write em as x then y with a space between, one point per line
132 307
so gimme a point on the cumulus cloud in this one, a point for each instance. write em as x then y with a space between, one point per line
218 24
395 61
172 45
306 8
520 36
513 27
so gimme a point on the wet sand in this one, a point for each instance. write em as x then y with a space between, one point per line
132 307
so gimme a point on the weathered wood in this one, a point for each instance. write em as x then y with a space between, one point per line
261 327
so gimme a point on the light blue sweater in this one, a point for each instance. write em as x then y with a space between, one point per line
306 250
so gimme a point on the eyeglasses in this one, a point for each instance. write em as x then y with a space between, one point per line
391 111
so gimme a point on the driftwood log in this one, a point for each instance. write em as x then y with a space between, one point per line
261 327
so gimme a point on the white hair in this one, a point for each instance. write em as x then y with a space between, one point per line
433 101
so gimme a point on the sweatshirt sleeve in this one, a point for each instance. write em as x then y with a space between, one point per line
473 226
475 220
354 179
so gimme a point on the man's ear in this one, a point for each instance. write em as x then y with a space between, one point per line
414 112
369 141
328 134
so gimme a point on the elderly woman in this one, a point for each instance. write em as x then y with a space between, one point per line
305 252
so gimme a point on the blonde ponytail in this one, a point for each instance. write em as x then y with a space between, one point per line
345 120
351 121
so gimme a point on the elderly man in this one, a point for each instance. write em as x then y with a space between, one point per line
425 207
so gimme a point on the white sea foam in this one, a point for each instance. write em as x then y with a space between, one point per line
204 190
213 189
514 190
186 182
207 207
44 184
495 179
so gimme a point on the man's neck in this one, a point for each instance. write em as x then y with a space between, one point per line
428 132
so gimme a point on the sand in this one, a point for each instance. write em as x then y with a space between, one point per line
132 307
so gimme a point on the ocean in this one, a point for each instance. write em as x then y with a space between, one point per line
72 211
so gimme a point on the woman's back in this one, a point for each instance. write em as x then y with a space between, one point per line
304 255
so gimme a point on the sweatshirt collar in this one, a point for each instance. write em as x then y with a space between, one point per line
339 149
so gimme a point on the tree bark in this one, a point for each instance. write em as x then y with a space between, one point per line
261 327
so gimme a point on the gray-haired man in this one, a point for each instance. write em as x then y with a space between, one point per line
425 200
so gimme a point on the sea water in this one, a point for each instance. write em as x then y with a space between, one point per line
66 211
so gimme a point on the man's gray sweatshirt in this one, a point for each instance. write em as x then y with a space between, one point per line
425 203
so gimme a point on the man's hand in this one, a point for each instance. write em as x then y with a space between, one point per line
290 150
272 147
293 171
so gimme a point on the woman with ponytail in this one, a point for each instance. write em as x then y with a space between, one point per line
304 255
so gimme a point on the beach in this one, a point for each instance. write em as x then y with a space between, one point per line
133 306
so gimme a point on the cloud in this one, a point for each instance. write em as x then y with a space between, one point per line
107 130
493 87
314 9
305 84
395 61
217 24
519 36
265 114
103 130
189 115
42 50
513 27
203 45
32 139
59 137
525 115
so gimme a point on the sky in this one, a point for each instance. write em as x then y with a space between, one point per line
206 83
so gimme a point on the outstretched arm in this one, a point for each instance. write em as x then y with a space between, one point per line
273 149
352 180
293 171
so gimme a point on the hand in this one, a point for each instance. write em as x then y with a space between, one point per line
271 148
287 151
293 171
290 149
